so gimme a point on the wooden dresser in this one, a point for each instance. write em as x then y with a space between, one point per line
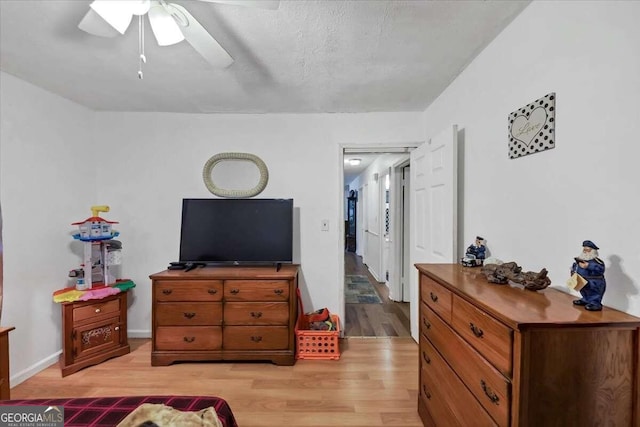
224 313
5 389
93 331
500 355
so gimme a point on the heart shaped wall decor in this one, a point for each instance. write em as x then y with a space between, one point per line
532 127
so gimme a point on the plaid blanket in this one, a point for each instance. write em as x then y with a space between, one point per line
109 411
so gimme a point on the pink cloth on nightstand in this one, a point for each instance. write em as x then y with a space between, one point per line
99 293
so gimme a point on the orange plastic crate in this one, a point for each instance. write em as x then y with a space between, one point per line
317 345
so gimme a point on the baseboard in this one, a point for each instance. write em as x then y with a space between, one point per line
54 358
139 333
34 369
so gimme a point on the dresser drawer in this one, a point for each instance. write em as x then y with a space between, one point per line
431 397
95 310
256 290
188 338
436 296
187 290
451 391
189 314
491 338
256 337
488 385
256 313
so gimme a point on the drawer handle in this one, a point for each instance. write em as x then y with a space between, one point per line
490 394
433 296
167 291
189 339
426 392
476 331
256 339
256 314
98 310
426 358
189 315
212 291
278 291
235 291
117 328
426 324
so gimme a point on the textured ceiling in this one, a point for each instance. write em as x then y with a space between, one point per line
305 57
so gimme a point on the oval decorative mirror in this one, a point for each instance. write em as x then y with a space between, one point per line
233 193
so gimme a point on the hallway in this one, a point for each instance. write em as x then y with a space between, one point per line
389 319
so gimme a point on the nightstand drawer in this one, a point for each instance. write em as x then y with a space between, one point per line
188 338
491 338
436 296
94 309
188 290
189 314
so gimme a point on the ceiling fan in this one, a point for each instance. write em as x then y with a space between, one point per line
170 23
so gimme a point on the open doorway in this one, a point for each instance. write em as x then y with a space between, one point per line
377 301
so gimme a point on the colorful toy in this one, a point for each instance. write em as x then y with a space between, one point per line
100 250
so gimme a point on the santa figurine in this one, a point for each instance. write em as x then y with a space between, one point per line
591 268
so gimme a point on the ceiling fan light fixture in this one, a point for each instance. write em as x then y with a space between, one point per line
118 13
140 7
165 28
92 23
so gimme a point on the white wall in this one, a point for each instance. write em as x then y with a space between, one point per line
48 181
158 160
537 210
58 159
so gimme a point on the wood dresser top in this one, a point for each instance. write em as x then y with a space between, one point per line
4 330
520 308
286 272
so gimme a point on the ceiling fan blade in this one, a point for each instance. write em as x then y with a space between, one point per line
118 13
199 38
92 23
164 26
262 4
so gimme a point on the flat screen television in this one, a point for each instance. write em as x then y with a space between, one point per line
237 231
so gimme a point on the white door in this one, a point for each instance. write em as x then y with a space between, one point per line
433 207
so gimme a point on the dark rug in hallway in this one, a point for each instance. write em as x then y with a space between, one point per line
358 290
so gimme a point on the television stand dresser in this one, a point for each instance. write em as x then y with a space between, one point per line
224 313
500 355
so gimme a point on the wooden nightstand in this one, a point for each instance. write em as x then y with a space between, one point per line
93 331
4 363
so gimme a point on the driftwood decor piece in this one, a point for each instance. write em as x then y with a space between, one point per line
512 272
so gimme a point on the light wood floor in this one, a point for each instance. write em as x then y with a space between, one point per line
375 383
389 319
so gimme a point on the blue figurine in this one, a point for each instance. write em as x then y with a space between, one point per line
591 268
475 254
